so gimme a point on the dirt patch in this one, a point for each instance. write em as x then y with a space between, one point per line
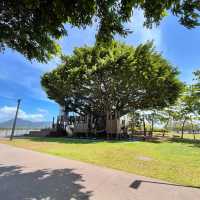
144 158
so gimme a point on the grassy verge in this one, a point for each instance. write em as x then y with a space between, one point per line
172 160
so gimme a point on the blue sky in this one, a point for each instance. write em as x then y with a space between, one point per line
20 78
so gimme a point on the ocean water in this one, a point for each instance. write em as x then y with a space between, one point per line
18 132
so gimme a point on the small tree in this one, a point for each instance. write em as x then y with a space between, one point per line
186 107
153 117
166 116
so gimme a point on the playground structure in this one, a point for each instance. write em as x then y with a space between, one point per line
89 124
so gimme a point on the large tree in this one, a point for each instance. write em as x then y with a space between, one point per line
31 26
115 80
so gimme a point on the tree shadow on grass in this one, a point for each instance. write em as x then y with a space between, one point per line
137 183
155 140
66 140
59 184
194 143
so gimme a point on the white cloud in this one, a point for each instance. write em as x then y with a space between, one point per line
146 34
44 111
46 67
8 112
142 34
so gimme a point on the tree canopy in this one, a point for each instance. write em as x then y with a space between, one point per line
31 27
116 79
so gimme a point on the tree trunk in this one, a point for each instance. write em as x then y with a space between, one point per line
133 129
166 127
144 128
193 130
152 126
108 124
182 129
89 125
133 125
194 134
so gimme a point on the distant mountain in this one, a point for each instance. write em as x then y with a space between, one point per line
25 124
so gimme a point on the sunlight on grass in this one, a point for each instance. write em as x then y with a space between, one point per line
173 161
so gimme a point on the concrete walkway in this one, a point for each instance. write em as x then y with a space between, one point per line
29 175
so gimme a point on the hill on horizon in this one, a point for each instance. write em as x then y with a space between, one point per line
21 123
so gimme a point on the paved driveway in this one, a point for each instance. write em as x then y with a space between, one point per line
29 175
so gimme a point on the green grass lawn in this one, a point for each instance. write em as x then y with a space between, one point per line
171 160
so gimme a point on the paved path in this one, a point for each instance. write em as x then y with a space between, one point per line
29 175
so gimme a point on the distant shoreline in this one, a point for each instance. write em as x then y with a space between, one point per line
18 132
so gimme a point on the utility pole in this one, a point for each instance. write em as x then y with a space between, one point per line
15 119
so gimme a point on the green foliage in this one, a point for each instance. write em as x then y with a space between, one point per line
187 104
30 27
185 113
177 126
196 87
116 78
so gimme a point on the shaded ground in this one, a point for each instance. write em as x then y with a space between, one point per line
28 175
56 184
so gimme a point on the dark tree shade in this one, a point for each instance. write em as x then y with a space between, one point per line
30 26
